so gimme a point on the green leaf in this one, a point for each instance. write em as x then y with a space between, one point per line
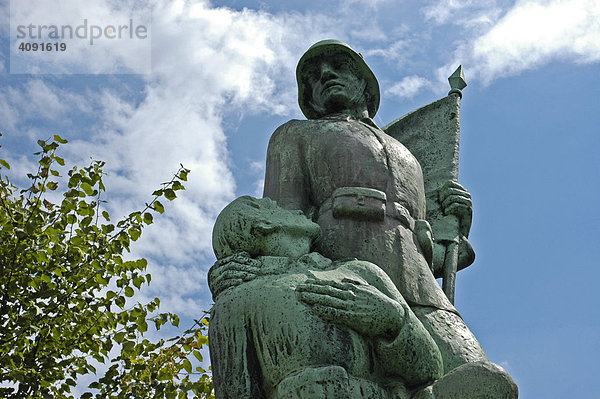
4 163
128 346
158 207
44 162
59 139
141 263
119 337
136 216
33 284
129 292
87 188
124 239
198 355
177 185
134 233
120 301
137 281
148 218
100 279
142 326
170 194
59 160
187 365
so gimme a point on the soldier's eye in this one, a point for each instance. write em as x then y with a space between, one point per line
339 64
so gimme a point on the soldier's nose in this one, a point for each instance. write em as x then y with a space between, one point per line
327 72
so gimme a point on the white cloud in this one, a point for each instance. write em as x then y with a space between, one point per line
20 165
225 61
530 35
181 290
441 11
8 114
37 99
259 186
399 50
534 33
364 3
464 13
257 167
208 62
408 86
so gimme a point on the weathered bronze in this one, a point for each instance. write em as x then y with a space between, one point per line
361 316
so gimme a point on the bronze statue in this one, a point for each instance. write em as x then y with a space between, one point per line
366 192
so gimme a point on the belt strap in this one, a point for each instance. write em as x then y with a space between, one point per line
361 203
366 198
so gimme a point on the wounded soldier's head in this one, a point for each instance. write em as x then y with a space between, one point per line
261 228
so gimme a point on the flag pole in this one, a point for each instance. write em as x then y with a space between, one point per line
432 134
457 83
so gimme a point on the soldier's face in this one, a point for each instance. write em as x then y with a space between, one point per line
336 85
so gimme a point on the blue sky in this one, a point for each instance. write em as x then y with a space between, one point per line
221 79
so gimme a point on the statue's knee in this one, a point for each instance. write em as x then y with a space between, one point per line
330 382
456 342
481 379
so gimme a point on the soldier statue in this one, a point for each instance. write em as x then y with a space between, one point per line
373 206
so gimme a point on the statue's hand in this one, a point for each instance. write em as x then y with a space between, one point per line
456 200
359 306
232 271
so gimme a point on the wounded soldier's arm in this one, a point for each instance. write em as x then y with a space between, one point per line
412 353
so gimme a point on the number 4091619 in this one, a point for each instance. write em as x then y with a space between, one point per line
24 46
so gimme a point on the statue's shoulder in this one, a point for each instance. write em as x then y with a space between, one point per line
295 125
291 131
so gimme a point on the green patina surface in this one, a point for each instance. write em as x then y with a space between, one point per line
325 288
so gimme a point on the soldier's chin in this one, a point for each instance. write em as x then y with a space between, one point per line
337 102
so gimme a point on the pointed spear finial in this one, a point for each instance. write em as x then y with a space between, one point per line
457 81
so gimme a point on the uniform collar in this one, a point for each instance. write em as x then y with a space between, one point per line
339 116
349 118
